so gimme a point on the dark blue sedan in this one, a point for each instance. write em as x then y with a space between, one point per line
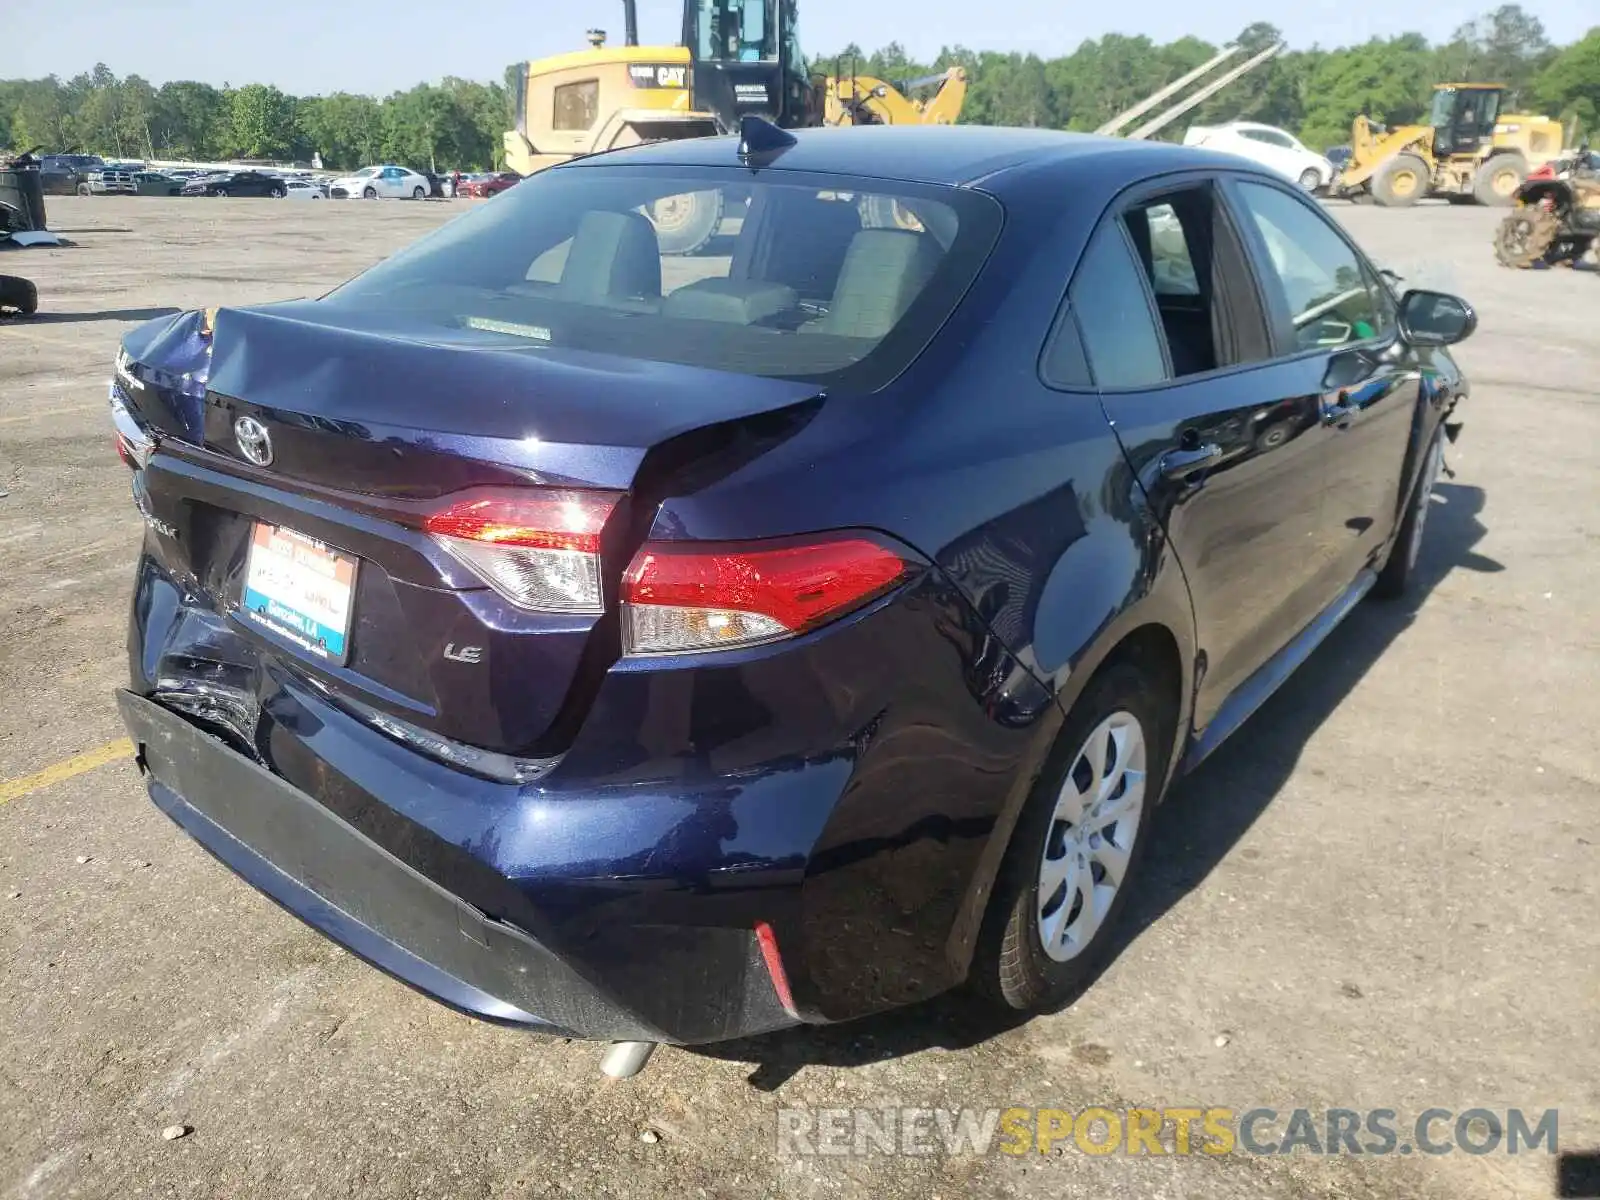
669 648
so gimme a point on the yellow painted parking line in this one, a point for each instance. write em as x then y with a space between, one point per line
15 789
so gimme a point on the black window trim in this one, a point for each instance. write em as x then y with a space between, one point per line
1129 197
1286 346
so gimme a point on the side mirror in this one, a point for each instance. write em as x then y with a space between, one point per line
1435 318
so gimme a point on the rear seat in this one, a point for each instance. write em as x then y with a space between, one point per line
884 271
614 261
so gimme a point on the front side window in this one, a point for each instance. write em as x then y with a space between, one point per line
580 258
1331 298
577 105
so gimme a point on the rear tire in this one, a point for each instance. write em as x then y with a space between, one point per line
277 193
369 193
1497 181
418 193
1401 181
1310 179
1394 581
18 295
687 225
1012 965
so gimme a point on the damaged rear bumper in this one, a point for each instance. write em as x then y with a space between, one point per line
336 879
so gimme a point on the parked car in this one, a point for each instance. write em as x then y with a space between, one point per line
156 183
1274 148
492 183
371 183
778 647
60 174
306 189
237 183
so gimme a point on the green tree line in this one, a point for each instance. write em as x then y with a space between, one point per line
453 124
457 123
1314 93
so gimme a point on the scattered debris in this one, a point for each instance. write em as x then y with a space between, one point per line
16 895
649 1137
173 1132
82 858
1220 1040
1350 991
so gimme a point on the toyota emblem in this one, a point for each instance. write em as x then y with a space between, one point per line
253 440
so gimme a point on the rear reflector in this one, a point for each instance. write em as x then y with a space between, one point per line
768 941
679 597
540 549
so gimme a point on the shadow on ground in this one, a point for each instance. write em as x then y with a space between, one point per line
1206 814
95 229
110 314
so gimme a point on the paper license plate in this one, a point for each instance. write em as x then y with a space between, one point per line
300 589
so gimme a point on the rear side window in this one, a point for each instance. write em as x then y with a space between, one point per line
1118 330
841 284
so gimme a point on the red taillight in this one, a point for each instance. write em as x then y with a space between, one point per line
689 596
540 549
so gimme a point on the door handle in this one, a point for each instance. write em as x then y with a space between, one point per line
1176 464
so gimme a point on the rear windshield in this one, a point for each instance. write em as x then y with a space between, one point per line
833 280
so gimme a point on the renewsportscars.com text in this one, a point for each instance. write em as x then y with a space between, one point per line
1164 1131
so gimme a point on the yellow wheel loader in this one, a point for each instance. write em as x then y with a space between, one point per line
862 100
737 58
1468 152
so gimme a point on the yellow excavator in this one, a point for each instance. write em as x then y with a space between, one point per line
737 58
1468 152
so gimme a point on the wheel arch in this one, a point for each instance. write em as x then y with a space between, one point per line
1157 636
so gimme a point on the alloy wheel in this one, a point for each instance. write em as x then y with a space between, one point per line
1091 836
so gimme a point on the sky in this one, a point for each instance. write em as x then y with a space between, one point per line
309 47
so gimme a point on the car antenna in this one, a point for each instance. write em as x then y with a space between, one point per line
760 139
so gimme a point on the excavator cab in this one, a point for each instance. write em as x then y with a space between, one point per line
746 60
1463 117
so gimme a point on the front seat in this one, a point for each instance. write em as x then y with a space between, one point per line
614 259
884 271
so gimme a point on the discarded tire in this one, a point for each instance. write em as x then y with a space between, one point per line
18 294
